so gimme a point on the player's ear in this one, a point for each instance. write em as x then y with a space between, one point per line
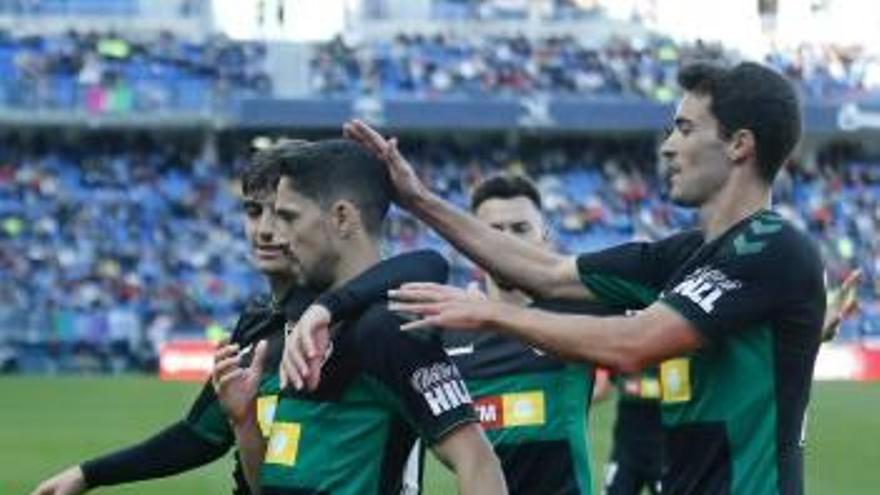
741 146
345 217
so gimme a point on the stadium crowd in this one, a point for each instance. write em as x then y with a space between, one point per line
448 65
112 73
106 255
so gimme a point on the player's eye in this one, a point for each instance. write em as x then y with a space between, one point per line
253 209
286 216
521 228
684 128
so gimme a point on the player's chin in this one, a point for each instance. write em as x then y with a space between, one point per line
681 198
275 267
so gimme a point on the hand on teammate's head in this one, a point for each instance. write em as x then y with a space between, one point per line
408 188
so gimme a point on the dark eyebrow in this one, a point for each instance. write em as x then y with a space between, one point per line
682 120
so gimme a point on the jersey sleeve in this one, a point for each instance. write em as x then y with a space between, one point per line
206 416
632 275
374 284
415 374
207 419
750 281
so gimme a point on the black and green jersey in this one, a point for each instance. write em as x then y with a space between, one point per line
637 427
733 411
533 407
262 319
380 390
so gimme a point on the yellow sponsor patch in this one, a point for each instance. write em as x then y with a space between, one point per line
283 445
523 409
650 388
266 413
675 380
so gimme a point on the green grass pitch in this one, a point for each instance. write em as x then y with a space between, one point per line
49 423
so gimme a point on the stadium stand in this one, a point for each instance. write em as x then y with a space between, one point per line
458 65
106 253
118 74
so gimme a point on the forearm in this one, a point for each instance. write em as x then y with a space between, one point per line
608 341
483 476
172 451
251 450
534 269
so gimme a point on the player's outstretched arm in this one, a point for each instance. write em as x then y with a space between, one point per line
623 343
534 269
467 452
237 390
174 450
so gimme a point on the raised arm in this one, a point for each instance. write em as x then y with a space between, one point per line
534 269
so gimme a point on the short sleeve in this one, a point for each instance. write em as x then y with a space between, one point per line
416 374
749 283
632 275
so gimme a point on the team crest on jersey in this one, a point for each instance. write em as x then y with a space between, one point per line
705 285
441 386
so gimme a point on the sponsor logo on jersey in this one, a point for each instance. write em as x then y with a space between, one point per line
441 386
508 410
642 387
704 286
490 410
266 413
283 445
675 380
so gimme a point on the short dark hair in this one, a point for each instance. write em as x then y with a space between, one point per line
262 174
754 97
335 169
505 186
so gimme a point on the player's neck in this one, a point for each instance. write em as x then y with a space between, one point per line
279 285
734 203
356 259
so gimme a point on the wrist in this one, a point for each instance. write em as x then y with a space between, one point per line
328 306
80 475
244 418
494 315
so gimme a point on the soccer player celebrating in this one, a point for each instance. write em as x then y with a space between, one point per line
204 435
731 312
532 405
381 388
